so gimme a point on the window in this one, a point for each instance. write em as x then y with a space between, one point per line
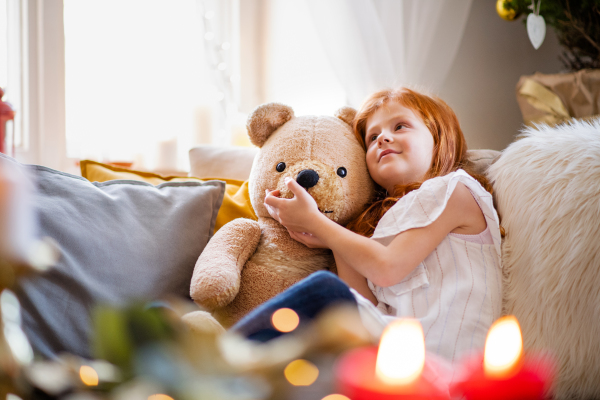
136 81
12 70
143 81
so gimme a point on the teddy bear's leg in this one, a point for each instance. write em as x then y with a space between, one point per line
202 322
259 284
216 277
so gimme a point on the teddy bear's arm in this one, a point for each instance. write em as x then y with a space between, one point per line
332 267
216 277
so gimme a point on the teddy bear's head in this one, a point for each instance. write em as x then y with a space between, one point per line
320 152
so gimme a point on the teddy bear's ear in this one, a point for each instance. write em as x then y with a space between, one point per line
346 114
265 120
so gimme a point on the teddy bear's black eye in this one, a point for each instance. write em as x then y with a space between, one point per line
280 167
342 172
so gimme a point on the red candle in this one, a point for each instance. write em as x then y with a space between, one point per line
503 371
397 369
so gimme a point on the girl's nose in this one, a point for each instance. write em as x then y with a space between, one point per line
384 138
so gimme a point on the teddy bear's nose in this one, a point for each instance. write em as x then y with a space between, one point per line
307 178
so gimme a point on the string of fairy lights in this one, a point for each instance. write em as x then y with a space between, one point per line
218 31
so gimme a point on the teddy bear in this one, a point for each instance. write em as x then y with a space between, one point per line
247 262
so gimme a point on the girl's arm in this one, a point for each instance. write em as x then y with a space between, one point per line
354 279
345 272
383 265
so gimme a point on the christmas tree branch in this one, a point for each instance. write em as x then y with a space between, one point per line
573 23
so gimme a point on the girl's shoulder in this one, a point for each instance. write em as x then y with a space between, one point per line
445 185
422 206
460 175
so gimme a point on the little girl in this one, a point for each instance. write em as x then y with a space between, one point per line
429 245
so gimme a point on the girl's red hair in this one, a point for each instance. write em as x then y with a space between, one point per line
449 149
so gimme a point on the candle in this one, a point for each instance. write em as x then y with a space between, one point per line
166 160
504 371
203 125
398 369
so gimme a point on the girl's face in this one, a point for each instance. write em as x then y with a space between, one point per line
399 146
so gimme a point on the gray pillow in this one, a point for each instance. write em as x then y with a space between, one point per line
121 241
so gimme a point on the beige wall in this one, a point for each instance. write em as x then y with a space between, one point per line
481 84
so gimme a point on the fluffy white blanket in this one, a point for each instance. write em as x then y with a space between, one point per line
547 187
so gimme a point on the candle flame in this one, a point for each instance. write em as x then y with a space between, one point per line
503 347
401 354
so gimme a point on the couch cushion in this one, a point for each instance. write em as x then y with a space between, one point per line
482 159
95 171
236 202
120 240
231 162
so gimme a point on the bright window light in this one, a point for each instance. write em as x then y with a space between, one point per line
135 77
3 44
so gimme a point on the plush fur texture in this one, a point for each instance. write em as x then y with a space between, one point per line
267 118
547 187
346 114
248 262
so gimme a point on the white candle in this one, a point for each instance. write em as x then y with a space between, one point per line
203 125
166 159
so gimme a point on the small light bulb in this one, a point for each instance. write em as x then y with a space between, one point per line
88 375
301 373
160 396
285 320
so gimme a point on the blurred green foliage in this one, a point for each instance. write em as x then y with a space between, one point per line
119 331
577 25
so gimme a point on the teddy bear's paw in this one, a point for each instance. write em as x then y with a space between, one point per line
202 322
216 288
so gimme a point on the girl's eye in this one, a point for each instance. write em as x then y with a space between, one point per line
280 167
399 126
341 171
372 138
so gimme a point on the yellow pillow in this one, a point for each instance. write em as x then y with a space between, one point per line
236 202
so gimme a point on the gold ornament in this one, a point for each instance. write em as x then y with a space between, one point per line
506 14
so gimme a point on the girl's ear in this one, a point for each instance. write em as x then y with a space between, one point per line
265 120
346 114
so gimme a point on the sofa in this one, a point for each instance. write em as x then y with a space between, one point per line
125 239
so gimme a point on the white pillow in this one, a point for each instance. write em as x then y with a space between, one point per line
227 162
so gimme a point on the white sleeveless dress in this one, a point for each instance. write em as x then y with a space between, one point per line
456 291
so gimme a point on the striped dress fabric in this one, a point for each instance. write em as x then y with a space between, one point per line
456 291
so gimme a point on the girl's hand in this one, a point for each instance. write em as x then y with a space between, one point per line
308 240
273 212
298 214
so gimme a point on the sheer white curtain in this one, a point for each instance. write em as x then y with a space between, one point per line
374 44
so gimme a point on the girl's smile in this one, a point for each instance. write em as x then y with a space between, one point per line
399 146
386 152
